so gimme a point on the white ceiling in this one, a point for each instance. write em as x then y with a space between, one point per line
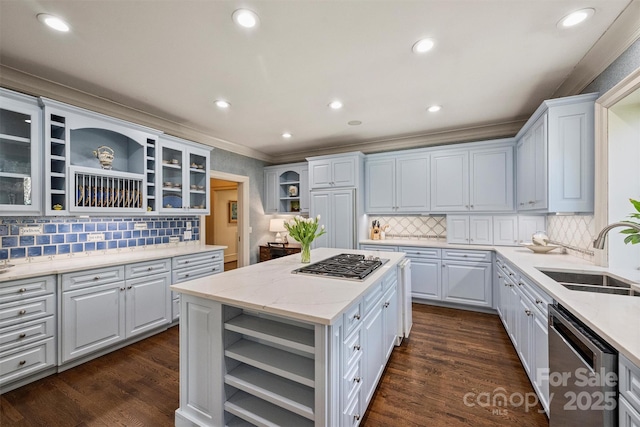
493 63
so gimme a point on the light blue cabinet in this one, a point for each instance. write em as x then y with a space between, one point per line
629 403
467 282
397 184
335 171
337 211
470 229
555 157
286 189
473 180
20 154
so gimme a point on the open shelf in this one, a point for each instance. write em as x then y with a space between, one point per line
262 413
279 362
277 332
274 389
238 422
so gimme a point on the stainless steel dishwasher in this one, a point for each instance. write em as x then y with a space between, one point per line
582 374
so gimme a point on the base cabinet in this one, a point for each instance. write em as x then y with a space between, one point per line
467 283
629 397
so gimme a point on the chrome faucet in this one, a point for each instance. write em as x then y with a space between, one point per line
598 243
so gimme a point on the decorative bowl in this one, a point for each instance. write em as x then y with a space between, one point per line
539 249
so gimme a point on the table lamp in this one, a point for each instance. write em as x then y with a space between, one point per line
276 225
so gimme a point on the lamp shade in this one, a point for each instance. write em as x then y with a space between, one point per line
276 225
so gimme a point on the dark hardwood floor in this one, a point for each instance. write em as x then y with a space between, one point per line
450 353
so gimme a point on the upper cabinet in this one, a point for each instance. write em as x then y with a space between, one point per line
94 163
397 183
286 189
183 176
335 171
20 154
476 180
555 157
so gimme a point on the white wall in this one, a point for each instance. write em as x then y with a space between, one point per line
624 176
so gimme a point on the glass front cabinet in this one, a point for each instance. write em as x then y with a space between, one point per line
184 178
20 154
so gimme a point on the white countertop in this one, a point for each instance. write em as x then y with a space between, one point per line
270 287
616 318
25 270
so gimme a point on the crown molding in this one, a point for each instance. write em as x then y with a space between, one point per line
477 133
624 31
20 81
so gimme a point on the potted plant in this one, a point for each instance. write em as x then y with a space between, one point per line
633 235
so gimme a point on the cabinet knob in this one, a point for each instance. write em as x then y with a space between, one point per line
538 301
356 347
521 203
386 305
356 379
444 265
150 268
96 278
22 362
528 312
499 276
356 417
466 206
186 275
531 202
129 287
21 290
21 312
356 316
520 283
22 335
121 289
471 206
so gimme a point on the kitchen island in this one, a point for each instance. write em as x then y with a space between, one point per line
261 345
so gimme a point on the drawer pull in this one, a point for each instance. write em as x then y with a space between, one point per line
356 379
150 268
22 335
499 276
129 287
520 283
186 262
528 312
96 278
186 275
21 312
22 362
121 289
21 290
538 301
356 417
385 305
356 316
356 347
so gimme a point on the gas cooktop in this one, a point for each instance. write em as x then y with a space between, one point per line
343 266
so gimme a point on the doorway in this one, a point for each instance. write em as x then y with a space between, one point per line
228 221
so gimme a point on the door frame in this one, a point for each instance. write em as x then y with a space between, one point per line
243 214
601 203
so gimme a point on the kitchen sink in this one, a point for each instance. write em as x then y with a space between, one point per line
596 282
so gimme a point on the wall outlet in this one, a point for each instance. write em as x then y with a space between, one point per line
95 237
187 235
188 225
31 230
174 239
140 226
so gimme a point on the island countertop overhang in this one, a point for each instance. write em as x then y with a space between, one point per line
270 287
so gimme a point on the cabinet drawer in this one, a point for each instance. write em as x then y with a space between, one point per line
143 269
97 276
372 297
628 415
352 349
383 248
388 281
31 309
27 360
629 385
351 318
465 255
416 252
196 272
196 259
352 381
539 298
27 288
26 333
352 414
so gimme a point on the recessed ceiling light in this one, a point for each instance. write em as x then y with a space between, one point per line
245 18
575 18
422 46
434 108
286 135
336 105
53 22
221 103
354 123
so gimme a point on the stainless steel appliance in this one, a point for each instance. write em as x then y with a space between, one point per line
343 266
582 374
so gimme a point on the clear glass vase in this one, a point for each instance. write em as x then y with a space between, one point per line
305 254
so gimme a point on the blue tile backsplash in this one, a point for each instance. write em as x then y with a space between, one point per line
70 235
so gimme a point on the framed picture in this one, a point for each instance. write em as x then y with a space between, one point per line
233 211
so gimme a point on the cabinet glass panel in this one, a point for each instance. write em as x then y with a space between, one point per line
197 181
15 158
171 178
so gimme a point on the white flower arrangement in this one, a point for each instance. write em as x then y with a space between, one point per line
304 230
